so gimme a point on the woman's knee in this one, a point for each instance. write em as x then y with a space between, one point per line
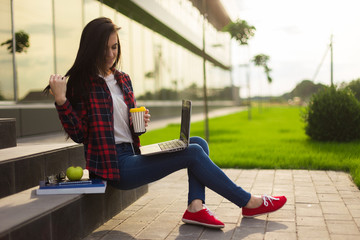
196 156
196 152
201 142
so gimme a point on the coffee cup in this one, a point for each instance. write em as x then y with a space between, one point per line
137 115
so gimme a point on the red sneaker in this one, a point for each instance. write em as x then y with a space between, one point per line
203 217
270 204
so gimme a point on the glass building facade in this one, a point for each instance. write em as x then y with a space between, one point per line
46 34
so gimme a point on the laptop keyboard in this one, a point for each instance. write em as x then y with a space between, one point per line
171 144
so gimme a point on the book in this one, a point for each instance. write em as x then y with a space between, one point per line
75 182
72 187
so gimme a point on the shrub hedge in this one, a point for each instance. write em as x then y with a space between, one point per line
333 115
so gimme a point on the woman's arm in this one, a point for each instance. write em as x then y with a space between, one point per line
73 121
58 88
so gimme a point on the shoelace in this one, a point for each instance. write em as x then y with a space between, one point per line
208 211
270 199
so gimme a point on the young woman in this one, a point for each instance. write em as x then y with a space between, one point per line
93 101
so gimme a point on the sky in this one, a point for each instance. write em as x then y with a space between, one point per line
296 34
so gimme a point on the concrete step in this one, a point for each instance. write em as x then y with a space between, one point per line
31 119
7 132
25 215
23 166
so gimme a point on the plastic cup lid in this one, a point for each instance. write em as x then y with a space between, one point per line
140 109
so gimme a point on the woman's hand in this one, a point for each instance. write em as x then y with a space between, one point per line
147 117
58 88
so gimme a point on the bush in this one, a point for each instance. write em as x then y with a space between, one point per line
354 86
333 115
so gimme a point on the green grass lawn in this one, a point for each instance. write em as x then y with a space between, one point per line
273 139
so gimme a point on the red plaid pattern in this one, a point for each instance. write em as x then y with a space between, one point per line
92 124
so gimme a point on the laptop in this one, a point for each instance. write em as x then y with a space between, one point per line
176 144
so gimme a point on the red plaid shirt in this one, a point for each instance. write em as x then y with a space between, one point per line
92 124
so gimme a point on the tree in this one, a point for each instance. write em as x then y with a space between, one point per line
354 86
21 41
240 30
261 60
306 89
1 96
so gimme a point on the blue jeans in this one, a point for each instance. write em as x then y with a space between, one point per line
137 170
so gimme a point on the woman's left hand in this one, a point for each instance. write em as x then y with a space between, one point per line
147 117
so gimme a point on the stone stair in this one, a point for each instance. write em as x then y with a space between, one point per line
25 215
7 132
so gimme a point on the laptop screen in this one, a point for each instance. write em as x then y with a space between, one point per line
185 121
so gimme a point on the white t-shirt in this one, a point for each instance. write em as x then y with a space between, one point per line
121 114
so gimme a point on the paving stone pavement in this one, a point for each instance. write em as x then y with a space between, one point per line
321 205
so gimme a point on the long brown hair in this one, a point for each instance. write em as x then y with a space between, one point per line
90 58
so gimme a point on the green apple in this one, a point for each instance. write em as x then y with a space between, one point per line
74 173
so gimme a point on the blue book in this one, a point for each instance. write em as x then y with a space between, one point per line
68 182
72 187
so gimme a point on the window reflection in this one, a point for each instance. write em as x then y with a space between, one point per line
6 70
124 23
107 11
158 67
91 10
35 65
68 27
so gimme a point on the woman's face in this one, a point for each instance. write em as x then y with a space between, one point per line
111 50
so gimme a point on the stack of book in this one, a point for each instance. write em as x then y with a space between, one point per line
72 187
